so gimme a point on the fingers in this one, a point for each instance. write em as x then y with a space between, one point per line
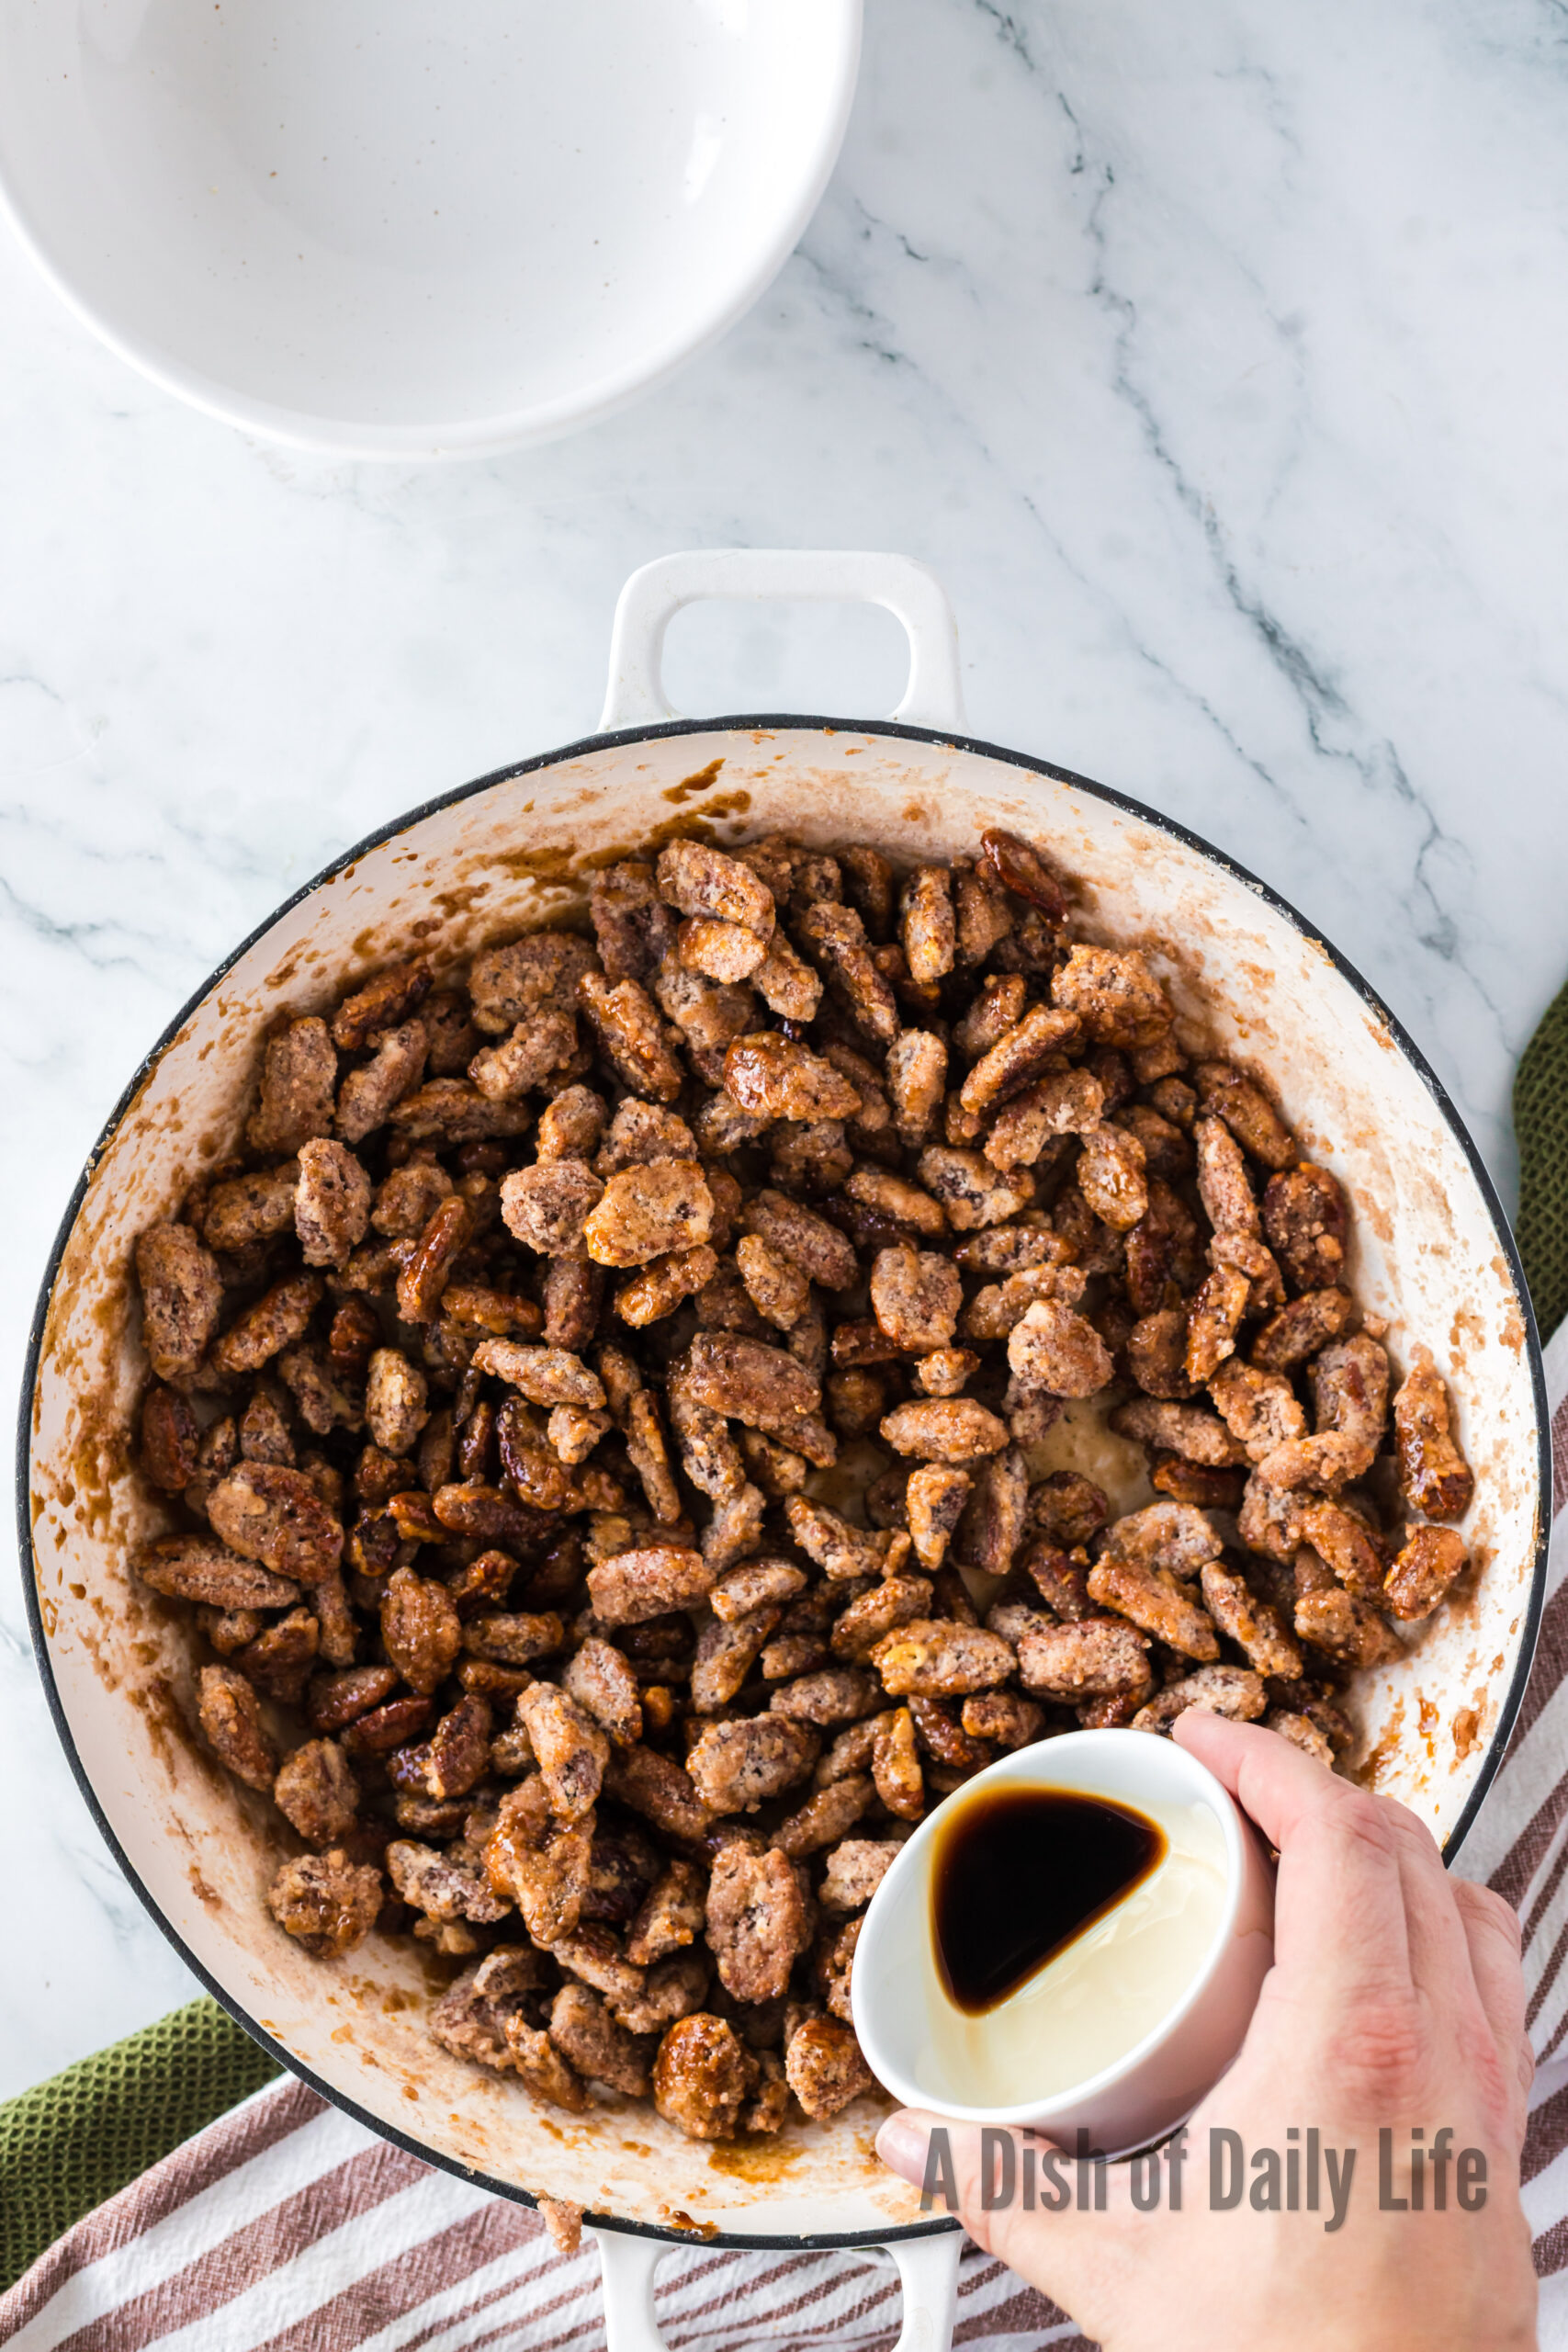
986 2179
1339 1923
1492 1931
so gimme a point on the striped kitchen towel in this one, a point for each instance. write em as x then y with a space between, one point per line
285 2225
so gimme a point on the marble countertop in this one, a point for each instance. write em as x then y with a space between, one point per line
1213 356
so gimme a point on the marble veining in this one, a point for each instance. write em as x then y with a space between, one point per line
1213 357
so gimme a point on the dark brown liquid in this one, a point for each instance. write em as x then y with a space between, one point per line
1020 1873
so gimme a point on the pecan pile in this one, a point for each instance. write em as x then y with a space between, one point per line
601 1409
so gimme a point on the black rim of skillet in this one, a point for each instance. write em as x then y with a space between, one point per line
768 723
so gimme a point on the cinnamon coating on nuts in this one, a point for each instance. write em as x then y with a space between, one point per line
597 1425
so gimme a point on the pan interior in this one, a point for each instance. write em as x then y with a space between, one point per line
510 857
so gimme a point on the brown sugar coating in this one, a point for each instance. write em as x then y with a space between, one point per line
615 1426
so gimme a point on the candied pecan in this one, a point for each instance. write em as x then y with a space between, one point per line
539 1863
443 1889
1259 1407
786 985
648 1210
936 1496
1223 1185
171 1437
1188 1430
429 1270
263 1430
333 1701
243 1209
317 1793
927 923
953 1430
1428 1562
941 1735
702 2077
835 935
453 1759
984 916
1031 1126
856 1867
602 1684
670 1917
419 1629
735 1767
756 1922
547 1206
946 1371
720 951
395 1401
698 880
631 921
993 1524
1433 1477
1299 1329
1350 1396
545 1376
268 1512
299 1078
194 1567
1017 1055
915 1297
1349 1630
1197 1482
631 1036
896 1776
573 1289
1240 1102
1052 1349
1166 1148
1213 1322
708 1014
753 1585
274 1323
230 1714
1155 1602
1253 1622
1066 1507
1024 872
1098 1657
541 2067
771 1074
972 1192
1003 1717
326 1902
1114 994
182 1296
726 1651
278 1660
513 1639
897 1601
937 1659
916 1075
797 1232
571 1749
390 998
824 1817
595 2046
539 1044
454 1111
660 1789
368 1095
542 969
638 1585
764 1386
826 2067
1157 1353
1233 1691
332 1203
405 1200
1307 1218
835 1695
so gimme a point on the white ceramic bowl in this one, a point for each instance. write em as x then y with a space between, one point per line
896 1989
397 231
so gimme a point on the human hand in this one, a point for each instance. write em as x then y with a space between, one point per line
1395 2003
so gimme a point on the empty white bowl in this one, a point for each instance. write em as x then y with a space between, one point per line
897 1995
383 229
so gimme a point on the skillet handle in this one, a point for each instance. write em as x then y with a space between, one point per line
652 597
927 2269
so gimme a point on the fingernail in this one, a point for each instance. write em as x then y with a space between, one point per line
901 2145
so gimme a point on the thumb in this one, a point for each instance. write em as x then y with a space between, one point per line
1019 2197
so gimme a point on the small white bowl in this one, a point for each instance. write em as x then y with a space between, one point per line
896 1984
383 229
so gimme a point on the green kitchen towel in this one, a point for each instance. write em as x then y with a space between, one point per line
72 2142
1541 1125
